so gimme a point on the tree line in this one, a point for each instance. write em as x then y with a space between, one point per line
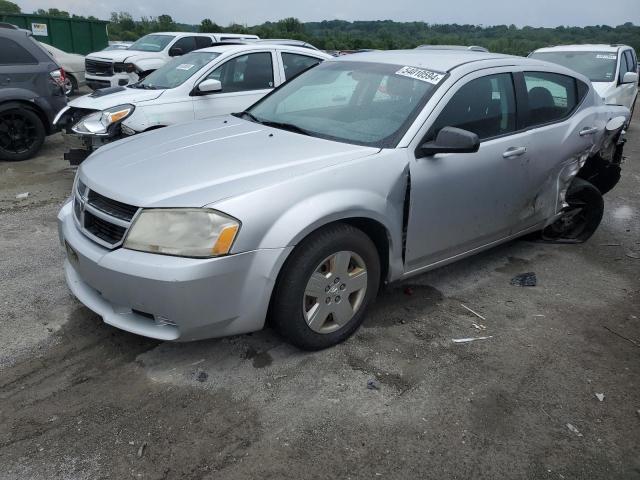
388 34
383 34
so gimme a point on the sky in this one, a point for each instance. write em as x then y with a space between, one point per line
547 13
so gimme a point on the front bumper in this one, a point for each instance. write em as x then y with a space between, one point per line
96 82
170 298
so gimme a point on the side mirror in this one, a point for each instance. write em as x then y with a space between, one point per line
630 77
209 86
451 140
175 52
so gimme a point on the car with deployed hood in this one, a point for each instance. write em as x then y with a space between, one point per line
117 68
200 84
361 171
613 69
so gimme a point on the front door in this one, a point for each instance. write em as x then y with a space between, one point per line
459 202
245 80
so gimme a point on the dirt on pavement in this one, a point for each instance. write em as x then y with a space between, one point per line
82 400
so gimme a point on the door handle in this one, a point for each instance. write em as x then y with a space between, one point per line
514 152
588 131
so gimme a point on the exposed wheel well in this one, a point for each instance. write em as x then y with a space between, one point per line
33 107
155 127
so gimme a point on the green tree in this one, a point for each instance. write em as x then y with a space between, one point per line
9 7
207 26
166 23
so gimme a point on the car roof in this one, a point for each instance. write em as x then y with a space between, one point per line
439 60
234 47
175 34
593 47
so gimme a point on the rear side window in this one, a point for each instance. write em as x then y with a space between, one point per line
551 96
485 106
12 53
294 64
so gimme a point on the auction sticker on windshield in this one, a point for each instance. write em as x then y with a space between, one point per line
420 74
185 66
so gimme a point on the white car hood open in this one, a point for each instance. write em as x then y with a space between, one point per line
198 163
100 100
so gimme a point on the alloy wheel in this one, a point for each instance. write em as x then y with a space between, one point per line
18 133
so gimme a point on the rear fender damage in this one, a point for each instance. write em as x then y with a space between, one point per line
603 167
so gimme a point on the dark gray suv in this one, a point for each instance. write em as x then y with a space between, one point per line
31 94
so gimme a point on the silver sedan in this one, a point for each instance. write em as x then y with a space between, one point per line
364 170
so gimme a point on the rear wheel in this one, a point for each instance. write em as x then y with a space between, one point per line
21 132
581 218
325 287
70 85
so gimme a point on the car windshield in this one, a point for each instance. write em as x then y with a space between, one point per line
152 43
596 66
361 103
177 71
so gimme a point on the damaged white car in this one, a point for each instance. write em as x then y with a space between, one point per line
201 84
358 172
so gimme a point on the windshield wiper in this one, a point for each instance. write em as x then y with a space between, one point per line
287 126
281 125
251 116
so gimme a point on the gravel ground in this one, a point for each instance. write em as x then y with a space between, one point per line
79 399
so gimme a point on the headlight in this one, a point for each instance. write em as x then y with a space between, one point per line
184 232
98 123
124 67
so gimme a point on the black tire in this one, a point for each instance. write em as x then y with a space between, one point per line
22 132
583 216
287 312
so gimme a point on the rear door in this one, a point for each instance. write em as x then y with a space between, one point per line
245 79
20 67
560 135
294 63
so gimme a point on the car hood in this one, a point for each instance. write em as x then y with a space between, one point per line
199 163
121 55
101 99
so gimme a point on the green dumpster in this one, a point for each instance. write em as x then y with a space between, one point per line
73 35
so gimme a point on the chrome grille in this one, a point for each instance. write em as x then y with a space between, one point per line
102 219
98 68
112 207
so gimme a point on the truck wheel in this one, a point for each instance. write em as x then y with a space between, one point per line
326 285
581 218
21 132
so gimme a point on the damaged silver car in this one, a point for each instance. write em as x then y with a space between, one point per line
356 173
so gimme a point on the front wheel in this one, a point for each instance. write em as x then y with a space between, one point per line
326 285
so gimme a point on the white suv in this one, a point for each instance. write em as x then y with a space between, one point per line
201 84
113 68
613 69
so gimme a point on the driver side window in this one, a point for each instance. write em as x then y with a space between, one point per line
253 71
485 106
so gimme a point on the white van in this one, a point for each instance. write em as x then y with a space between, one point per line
117 68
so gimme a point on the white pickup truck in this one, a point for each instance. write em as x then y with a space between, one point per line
117 68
